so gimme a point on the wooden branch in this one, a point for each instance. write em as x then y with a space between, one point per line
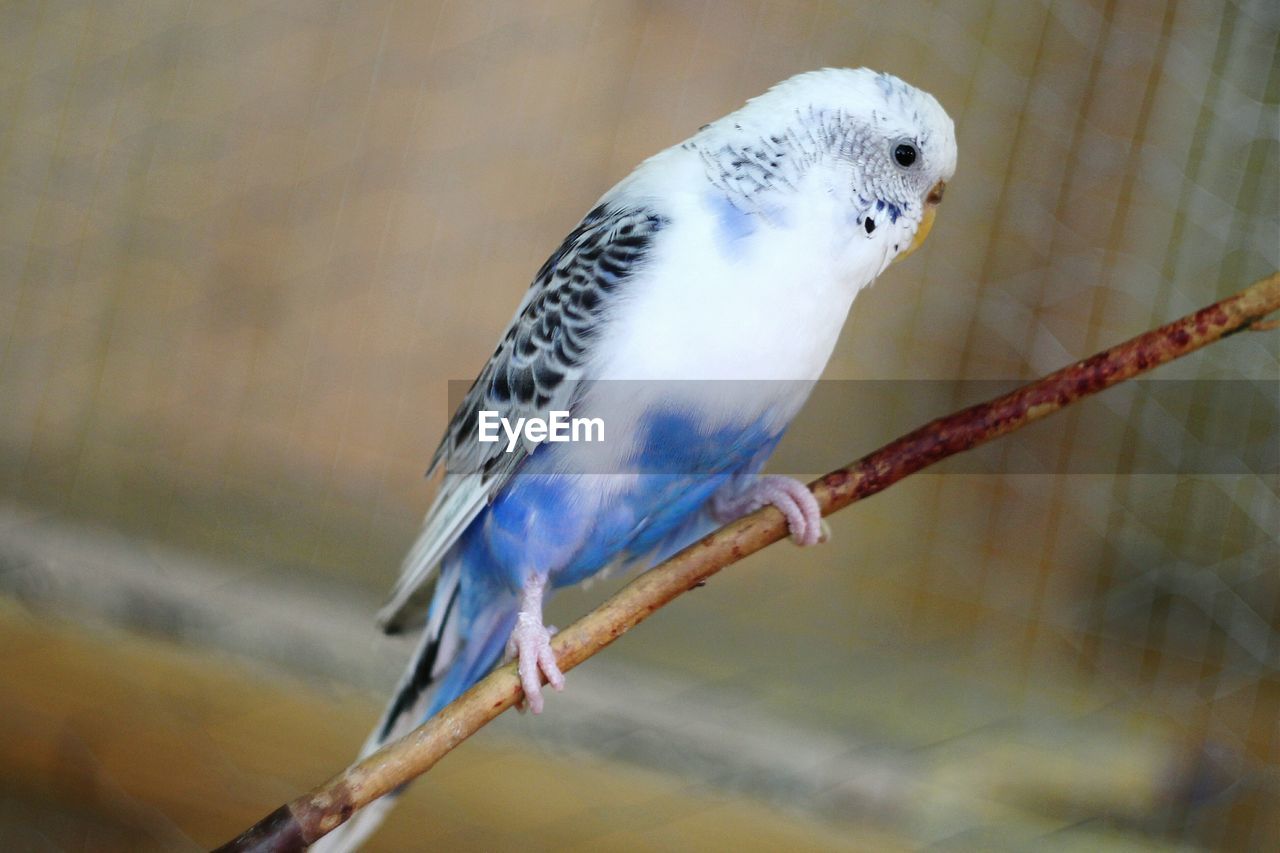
295 825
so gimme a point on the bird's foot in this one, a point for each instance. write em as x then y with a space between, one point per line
530 645
791 497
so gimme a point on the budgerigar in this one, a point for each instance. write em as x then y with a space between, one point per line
732 256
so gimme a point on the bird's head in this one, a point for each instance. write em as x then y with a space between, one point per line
880 148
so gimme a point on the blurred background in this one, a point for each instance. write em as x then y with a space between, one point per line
244 246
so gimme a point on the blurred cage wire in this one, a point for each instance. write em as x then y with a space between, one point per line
245 246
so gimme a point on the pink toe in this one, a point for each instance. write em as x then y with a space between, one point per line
554 676
532 691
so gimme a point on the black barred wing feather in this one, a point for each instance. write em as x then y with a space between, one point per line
537 368
549 340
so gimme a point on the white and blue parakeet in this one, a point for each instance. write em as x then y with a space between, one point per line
732 256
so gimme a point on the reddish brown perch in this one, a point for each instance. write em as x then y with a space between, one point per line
295 825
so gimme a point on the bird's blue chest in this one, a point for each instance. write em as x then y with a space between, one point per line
570 523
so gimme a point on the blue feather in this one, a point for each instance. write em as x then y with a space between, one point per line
538 522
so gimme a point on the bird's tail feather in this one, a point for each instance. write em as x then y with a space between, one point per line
449 658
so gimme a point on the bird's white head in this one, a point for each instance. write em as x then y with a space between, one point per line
883 149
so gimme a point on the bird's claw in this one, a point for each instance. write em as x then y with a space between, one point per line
530 645
792 498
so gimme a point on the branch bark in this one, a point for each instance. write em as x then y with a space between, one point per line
301 822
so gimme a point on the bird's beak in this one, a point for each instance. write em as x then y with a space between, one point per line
926 222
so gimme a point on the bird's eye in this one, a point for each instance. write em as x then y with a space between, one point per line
904 154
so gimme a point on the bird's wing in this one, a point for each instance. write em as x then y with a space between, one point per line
537 367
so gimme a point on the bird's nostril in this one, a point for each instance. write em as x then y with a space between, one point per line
935 194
